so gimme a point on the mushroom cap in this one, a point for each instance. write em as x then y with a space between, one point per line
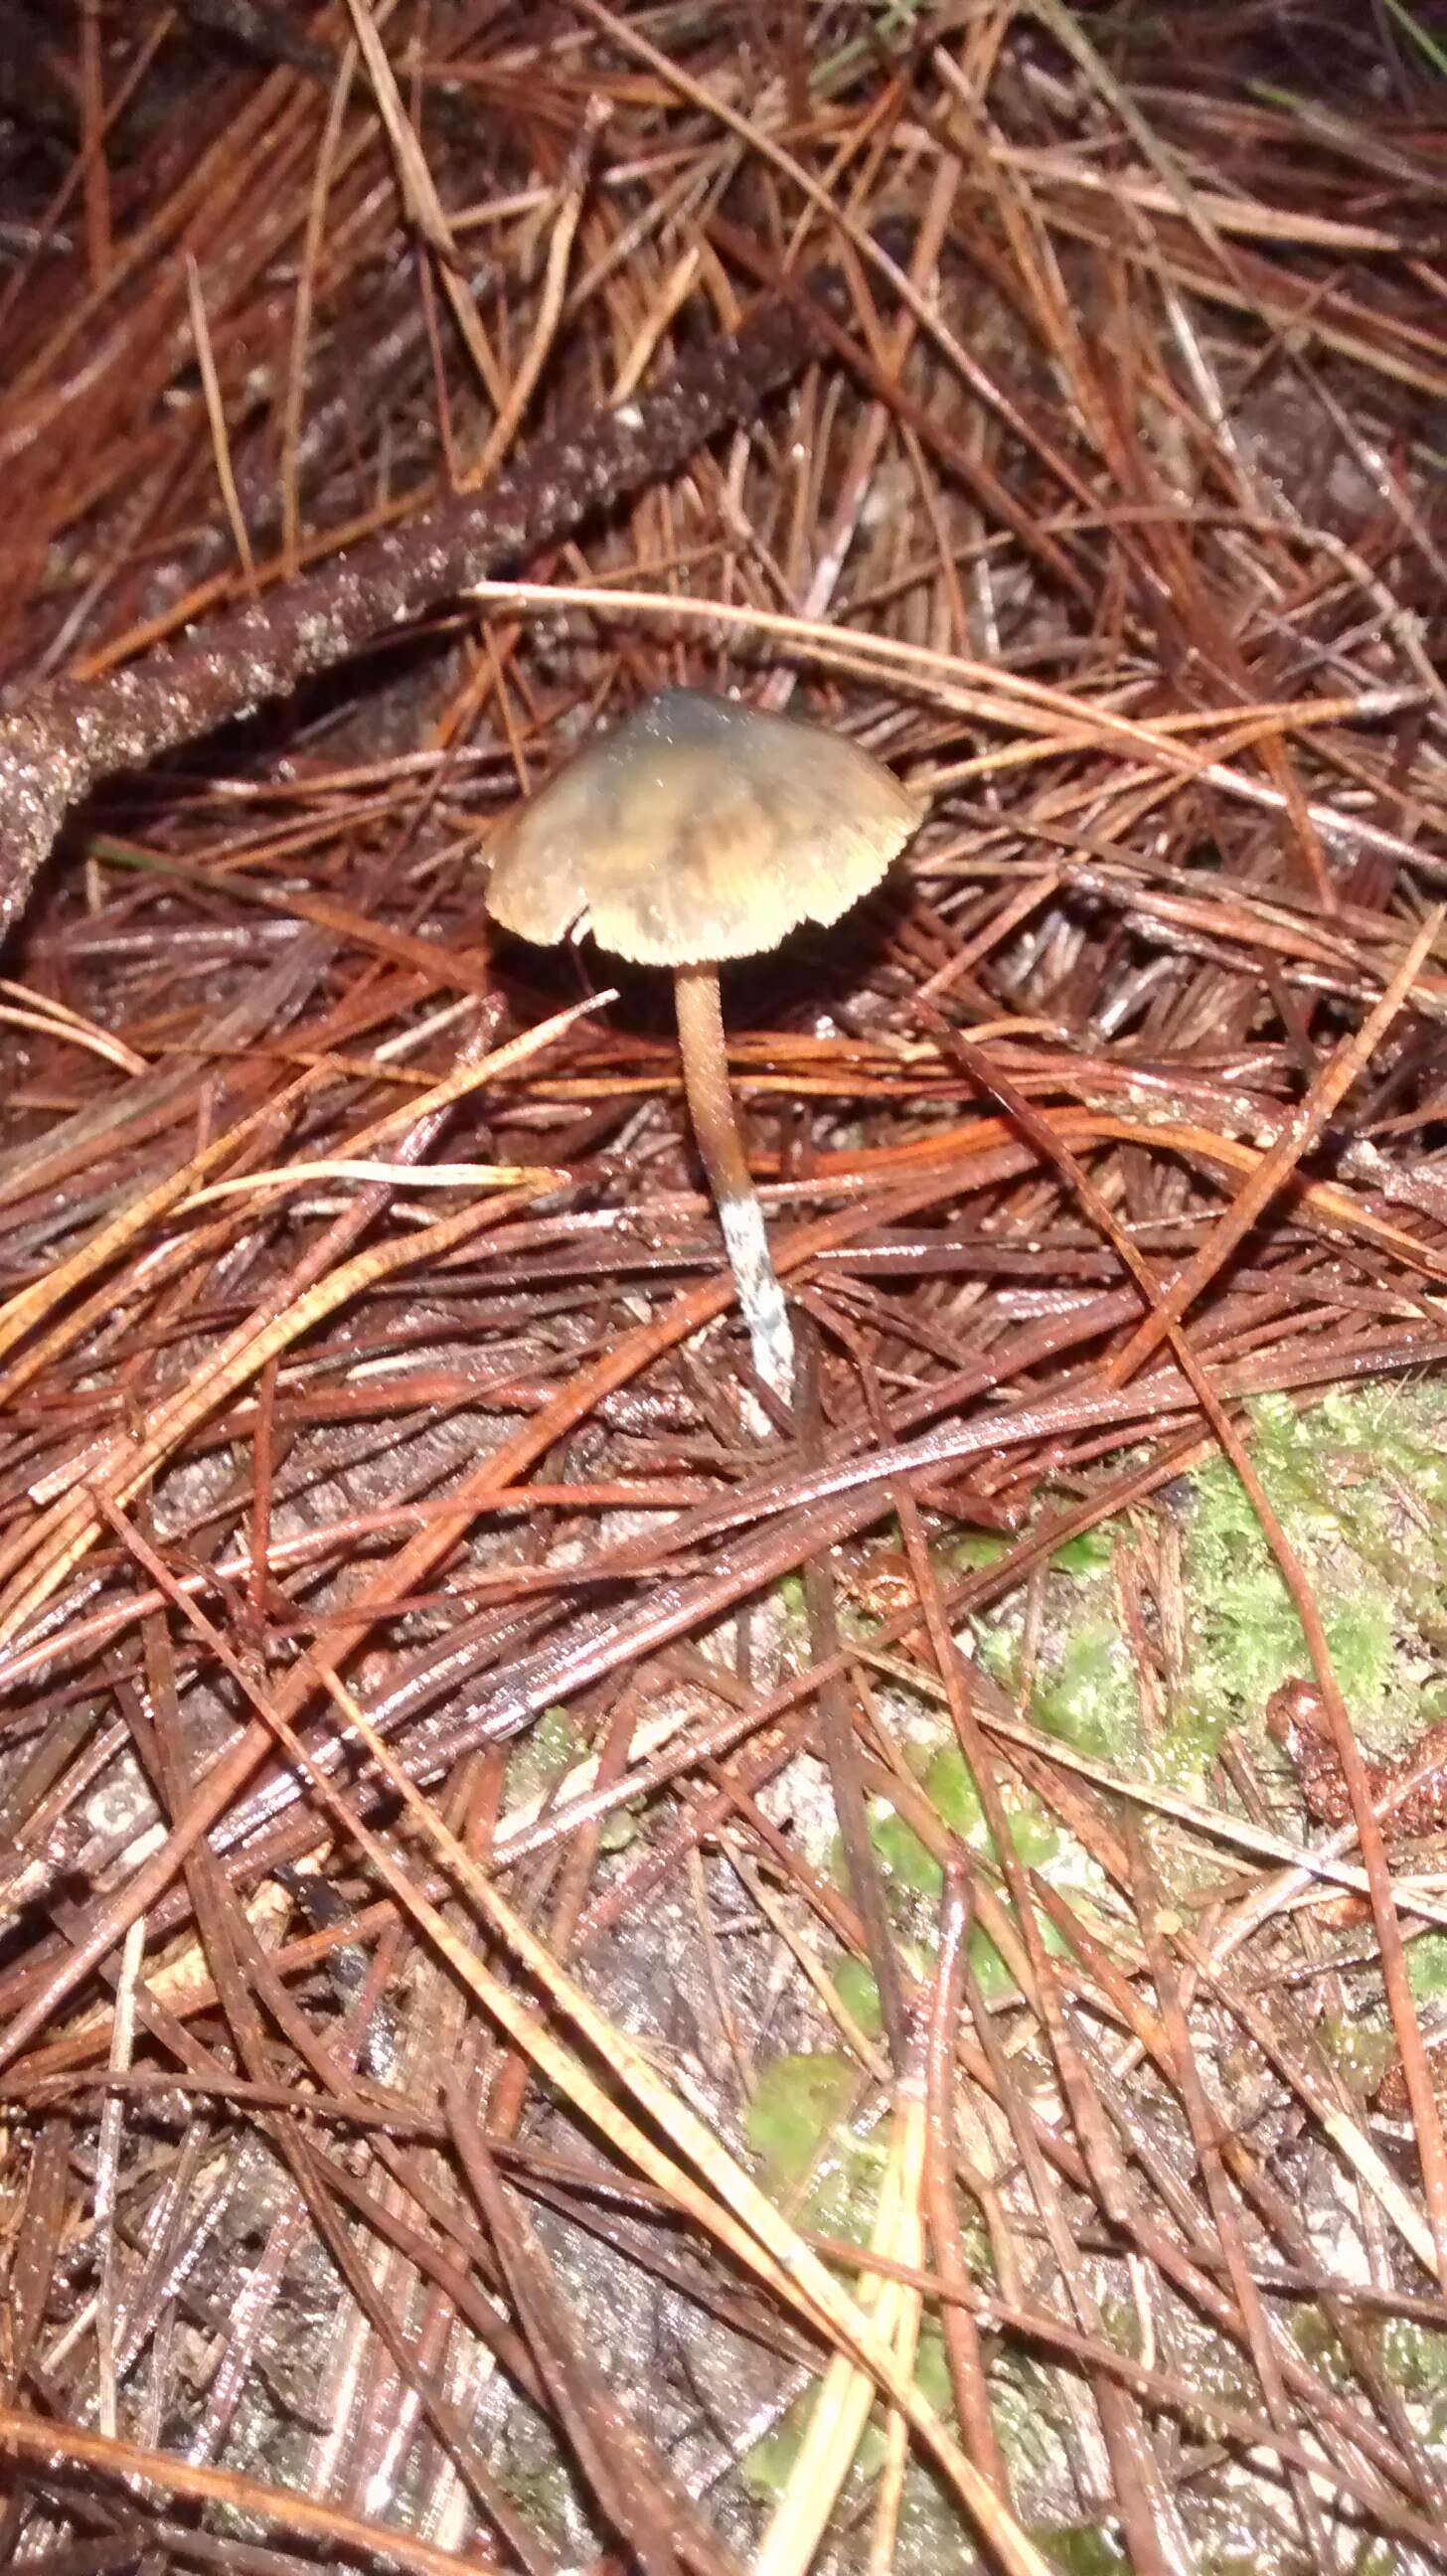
699 830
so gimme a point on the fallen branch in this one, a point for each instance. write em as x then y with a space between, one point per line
71 734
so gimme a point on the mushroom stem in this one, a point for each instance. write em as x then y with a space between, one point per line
716 1128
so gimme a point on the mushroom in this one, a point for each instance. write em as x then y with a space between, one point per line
700 830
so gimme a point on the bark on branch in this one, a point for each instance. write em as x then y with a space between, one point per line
69 734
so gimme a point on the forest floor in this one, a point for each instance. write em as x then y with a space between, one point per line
600 1970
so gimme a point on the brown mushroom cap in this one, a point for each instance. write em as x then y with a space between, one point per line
699 830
